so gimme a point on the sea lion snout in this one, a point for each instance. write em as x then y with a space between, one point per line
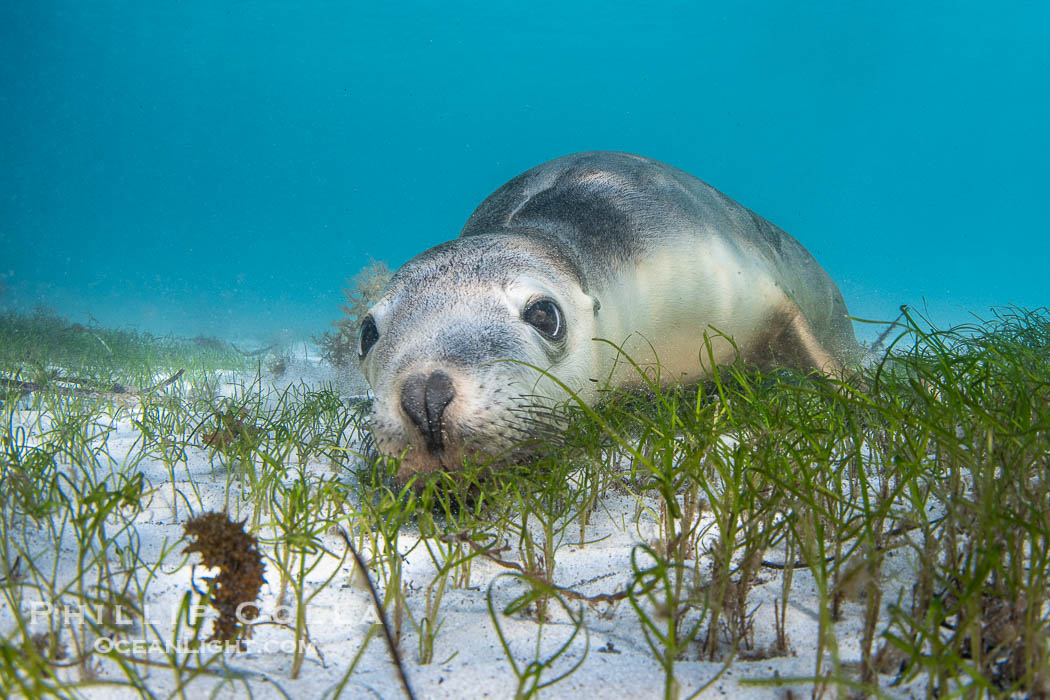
424 399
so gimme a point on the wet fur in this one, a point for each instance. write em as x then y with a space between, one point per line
633 251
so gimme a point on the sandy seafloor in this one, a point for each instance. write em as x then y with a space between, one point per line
469 660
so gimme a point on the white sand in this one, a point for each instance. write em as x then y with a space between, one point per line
469 660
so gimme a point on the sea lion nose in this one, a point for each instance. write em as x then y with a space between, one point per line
424 399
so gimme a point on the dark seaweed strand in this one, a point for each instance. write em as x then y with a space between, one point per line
382 615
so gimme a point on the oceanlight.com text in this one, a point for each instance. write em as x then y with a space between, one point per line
140 647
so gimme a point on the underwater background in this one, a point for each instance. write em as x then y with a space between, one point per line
222 167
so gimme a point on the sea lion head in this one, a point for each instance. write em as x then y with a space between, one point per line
451 349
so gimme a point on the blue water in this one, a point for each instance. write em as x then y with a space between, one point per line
221 167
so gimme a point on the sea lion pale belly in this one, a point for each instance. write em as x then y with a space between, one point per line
597 245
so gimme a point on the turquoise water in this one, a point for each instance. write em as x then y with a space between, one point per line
221 167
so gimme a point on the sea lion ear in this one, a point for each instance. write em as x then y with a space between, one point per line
597 304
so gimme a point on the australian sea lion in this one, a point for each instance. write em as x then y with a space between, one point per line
596 245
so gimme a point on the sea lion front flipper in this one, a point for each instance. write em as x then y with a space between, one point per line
796 345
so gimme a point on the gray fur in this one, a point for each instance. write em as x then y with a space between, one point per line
591 231
612 224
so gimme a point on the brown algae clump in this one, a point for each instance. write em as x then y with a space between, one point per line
224 545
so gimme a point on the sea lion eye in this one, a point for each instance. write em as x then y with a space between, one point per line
545 316
367 337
